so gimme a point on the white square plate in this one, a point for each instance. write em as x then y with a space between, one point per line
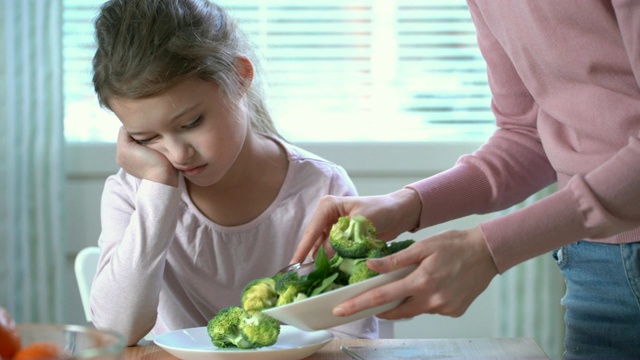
316 312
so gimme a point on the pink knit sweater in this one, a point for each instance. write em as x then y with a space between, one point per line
565 81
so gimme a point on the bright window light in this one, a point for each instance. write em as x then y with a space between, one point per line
333 70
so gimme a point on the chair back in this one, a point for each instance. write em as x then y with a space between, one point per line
86 265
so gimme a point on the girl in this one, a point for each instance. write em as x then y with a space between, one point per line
209 197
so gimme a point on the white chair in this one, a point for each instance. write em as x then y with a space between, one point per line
86 265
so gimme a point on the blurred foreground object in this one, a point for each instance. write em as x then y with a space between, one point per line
9 336
77 342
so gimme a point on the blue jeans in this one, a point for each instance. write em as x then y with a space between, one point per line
602 300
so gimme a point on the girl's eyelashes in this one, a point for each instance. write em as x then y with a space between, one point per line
188 126
145 141
194 123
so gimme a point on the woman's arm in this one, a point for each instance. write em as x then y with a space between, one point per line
600 204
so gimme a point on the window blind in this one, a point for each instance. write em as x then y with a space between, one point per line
333 70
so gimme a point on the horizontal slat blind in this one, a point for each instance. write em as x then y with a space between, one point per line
84 119
335 70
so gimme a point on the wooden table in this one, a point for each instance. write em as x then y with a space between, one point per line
472 348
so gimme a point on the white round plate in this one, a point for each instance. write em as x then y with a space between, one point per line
316 312
195 344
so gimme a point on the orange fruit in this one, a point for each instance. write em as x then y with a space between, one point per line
40 350
9 336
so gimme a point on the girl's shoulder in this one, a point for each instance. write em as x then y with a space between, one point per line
122 181
307 160
309 172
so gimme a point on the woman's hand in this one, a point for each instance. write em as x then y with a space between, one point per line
391 214
454 268
143 162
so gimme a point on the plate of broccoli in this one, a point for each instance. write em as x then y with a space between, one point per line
196 344
316 312
307 301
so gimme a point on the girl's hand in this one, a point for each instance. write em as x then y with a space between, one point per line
143 162
391 214
454 268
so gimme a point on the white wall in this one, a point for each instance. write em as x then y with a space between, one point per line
375 169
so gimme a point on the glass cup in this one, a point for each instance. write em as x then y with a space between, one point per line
79 342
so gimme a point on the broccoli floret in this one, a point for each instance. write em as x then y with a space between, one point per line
233 327
357 269
373 254
291 287
290 295
223 328
353 237
259 294
286 296
395 246
361 272
348 265
259 329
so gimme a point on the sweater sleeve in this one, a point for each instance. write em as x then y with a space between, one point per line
628 18
138 221
600 205
513 165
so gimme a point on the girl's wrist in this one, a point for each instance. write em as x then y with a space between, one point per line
169 178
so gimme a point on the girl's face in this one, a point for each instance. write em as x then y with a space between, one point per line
192 125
